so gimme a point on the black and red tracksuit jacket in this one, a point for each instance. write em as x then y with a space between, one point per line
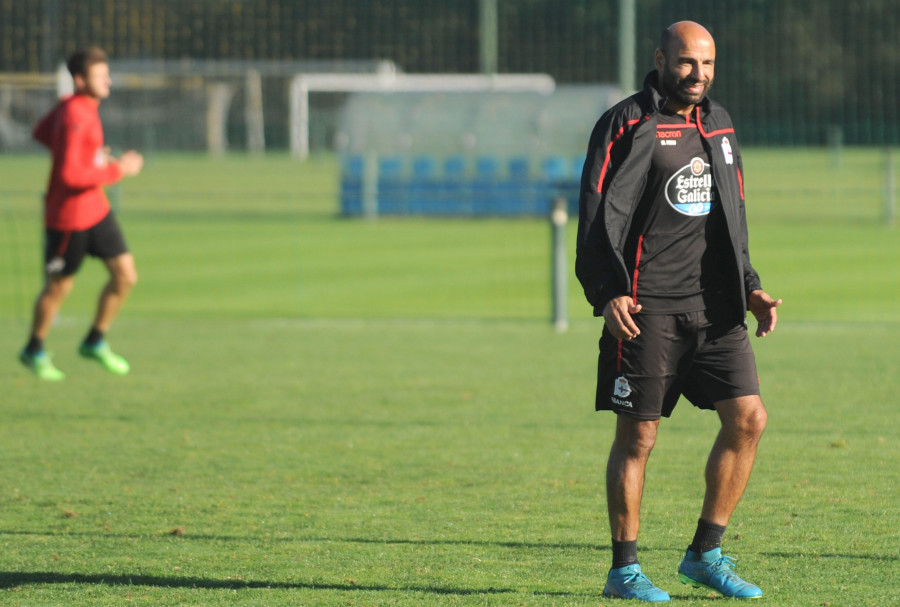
615 172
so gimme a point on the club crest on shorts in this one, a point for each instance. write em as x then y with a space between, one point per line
622 388
55 265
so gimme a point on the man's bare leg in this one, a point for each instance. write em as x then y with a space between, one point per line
50 300
625 472
122 279
46 308
625 475
732 456
727 473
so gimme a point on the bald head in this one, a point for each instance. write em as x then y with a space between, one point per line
682 33
685 62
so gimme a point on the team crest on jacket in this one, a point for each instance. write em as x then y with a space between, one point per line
726 151
691 191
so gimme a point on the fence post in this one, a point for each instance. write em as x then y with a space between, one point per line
890 187
559 217
835 139
627 46
218 102
488 36
256 138
370 185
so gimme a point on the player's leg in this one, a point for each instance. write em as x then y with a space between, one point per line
725 378
46 307
625 471
49 301
731 460
106 242
63 254
727 473
122 279
634 380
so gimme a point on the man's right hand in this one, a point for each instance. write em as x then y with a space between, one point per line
618 316
131 163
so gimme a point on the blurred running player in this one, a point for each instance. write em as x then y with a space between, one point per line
78 220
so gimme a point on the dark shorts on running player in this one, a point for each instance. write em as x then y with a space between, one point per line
705 359
65 251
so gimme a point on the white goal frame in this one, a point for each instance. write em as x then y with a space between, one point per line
303 84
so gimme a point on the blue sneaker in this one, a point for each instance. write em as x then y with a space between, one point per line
715 571
631 583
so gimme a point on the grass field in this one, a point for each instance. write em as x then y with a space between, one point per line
333 412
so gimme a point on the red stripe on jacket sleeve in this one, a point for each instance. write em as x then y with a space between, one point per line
609 151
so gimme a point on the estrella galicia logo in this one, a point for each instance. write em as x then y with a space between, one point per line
690 190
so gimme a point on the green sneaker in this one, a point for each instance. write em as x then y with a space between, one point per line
111 361
42 366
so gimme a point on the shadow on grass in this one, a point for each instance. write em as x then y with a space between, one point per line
12 579
263 539
825 555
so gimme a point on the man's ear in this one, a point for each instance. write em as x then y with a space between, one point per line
79 81
659 60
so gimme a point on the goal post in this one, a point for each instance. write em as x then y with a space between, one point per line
391 82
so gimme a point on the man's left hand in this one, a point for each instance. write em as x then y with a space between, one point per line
763 308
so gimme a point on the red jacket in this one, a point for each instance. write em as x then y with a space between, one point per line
72 131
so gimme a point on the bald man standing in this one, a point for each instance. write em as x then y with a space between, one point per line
662 255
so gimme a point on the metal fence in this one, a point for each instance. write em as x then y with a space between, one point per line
792 72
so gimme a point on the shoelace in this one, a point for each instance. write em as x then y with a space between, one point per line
639 581
725 566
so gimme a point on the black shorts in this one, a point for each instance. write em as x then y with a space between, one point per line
676 354
64 251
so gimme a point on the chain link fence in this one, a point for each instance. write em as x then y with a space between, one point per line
792 72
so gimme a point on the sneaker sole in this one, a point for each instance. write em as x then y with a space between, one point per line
48 377
692 582
617 596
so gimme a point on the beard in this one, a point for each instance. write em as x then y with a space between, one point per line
677 88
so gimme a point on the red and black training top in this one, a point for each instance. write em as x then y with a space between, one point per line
678 243
72 131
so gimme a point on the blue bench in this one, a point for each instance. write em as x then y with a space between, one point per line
486 185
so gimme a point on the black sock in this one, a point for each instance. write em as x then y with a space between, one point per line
708 536
94 337
624 554
35 345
